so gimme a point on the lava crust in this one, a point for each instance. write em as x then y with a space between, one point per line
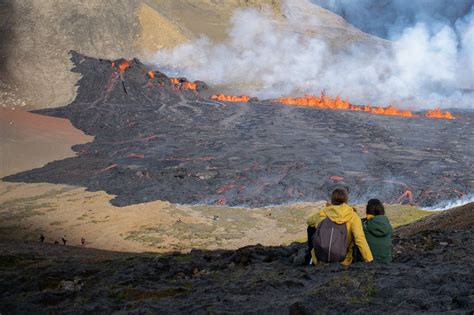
155 140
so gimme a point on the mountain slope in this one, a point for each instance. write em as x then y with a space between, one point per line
432 272
37 36
458 218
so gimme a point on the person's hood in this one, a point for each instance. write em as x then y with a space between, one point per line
338 214
378 226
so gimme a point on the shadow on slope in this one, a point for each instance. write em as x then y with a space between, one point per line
432 272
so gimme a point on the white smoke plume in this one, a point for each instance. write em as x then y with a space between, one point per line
448 204
428 65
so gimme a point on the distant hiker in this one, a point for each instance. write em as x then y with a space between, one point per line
42 238
64 239
334 230
378 231
83 241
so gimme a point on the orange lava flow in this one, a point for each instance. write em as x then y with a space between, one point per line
329 103
189 86
184 85
437 113
124 65
230 98
406 195
151 74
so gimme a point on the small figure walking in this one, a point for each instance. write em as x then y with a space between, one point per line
64 239
42 238
83 241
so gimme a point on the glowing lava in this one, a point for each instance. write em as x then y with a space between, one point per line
124 65
189 86
329 103
437 113
185 85
151 74
230 98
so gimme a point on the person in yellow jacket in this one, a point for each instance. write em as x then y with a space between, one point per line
340 212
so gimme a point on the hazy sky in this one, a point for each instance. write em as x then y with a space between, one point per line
388 18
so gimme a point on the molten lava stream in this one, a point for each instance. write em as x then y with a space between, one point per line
328 103
184 85
189 86
437 113
230 98
122 66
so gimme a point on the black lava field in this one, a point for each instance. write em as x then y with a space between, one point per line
156 141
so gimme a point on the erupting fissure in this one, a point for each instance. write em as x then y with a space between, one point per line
122 66
322 101
437 113
328 103
183 84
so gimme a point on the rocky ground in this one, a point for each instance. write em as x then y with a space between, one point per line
156 141
432 272
458 218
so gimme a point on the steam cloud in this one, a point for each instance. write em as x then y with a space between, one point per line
429 64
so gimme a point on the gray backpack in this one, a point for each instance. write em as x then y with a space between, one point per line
330 241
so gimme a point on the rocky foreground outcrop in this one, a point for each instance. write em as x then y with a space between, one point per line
432 272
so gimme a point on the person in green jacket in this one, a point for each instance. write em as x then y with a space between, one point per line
378 231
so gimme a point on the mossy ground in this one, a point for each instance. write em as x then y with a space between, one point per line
224 224
29 210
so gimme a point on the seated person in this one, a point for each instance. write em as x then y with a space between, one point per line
378 231
333 231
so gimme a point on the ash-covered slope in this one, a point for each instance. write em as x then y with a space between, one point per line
155 141
432 272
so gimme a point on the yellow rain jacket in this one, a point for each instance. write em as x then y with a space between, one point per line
355 234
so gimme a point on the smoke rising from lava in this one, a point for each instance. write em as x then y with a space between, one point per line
426 66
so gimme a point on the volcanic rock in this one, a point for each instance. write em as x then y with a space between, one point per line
156 142
424 277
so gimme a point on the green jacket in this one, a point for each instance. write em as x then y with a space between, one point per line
378 233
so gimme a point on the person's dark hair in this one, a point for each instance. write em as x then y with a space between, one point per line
339 196
375 207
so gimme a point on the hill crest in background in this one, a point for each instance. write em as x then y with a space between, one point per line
37 36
